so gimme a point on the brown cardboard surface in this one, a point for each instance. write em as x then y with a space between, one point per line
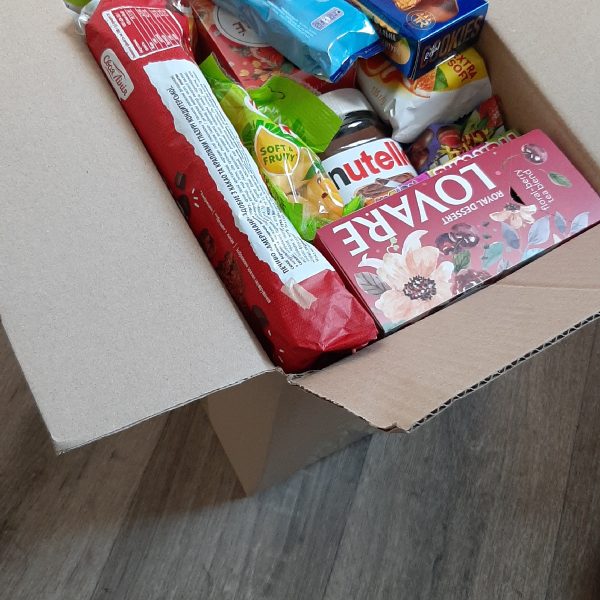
116 315
538 73
546 72
110 305
270 429
400 380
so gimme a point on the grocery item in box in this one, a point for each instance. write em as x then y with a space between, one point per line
420 34
291 296
322 37
362 160
498 140
443 95
412 182
416 251
246 58
442 142
288 163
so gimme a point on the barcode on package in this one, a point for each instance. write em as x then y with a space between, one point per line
144 31
327 18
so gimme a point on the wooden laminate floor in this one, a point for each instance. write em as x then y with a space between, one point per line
497 498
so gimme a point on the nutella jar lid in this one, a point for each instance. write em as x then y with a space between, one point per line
346 101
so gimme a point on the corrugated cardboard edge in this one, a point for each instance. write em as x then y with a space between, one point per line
395 428
503 370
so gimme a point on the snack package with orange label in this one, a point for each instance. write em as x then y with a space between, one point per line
284 126
443 95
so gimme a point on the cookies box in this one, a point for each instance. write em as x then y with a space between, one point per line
420 34
116 315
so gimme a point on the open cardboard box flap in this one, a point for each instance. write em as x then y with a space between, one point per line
405 378
112 309
115 314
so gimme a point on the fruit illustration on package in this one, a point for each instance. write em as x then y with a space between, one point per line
294 170
412 252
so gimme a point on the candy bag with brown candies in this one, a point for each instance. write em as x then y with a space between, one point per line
443 142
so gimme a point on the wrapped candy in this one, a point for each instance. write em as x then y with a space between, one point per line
443 142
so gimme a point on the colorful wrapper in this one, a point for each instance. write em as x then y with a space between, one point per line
443 95
422 248
247 59
443 142
322 37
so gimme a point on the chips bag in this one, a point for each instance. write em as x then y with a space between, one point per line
283 126
443 95
292 298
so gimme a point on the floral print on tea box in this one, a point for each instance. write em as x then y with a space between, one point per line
415 251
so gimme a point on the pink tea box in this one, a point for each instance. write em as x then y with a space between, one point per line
417 250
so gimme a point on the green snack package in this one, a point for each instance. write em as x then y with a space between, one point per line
283 126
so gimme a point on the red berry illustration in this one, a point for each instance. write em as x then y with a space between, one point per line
450 136
490 110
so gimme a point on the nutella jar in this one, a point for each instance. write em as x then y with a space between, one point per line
362 160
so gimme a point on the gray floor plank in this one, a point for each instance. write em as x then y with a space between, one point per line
191 534
497 498
59 516
576 565
469 505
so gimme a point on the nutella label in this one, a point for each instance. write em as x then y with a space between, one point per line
370 171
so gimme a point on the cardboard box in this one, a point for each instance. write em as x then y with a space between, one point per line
116 315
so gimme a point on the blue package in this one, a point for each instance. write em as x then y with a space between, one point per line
418 35
322 37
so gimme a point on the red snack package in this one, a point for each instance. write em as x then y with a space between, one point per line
292 297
